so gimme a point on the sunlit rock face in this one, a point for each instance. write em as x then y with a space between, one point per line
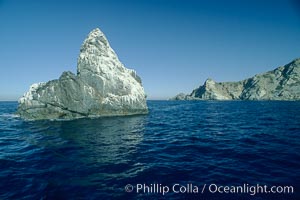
102 87
283 83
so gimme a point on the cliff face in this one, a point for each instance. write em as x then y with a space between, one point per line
283 83
102 87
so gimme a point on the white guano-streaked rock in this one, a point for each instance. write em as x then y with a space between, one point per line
102 87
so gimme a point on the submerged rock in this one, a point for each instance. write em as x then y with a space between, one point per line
283 83
102 87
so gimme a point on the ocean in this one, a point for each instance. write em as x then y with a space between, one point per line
180 150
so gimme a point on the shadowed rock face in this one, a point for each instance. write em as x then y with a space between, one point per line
102 87
283 83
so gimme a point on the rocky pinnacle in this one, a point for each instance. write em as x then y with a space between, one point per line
103 86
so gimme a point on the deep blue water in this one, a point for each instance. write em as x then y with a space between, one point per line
207 142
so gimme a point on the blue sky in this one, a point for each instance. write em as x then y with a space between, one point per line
174 45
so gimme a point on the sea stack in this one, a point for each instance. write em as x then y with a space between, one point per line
103 86
282 83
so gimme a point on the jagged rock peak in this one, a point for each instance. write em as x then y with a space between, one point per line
96 54
102 87
96 38
209 81
96 34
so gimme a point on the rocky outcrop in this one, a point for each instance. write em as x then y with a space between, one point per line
283 83
181 97
102 87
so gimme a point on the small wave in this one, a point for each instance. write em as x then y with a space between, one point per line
9 115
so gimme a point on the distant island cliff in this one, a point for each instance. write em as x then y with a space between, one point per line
282 83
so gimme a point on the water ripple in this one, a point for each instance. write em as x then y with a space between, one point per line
178 142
